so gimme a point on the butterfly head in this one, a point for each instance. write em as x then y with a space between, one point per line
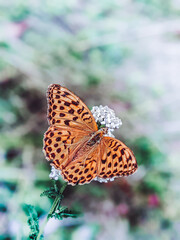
103 131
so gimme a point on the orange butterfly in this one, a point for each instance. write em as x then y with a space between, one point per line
74 145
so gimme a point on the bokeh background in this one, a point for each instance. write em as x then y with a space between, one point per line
124 54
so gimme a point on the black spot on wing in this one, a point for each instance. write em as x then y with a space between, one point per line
84 114
75 103
71 111
66 122
67 104
122 151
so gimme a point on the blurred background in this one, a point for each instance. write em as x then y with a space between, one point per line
124 54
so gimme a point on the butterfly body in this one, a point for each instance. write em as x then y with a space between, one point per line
87 145
97 136
74 144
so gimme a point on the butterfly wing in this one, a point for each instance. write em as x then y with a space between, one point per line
116 159
59 143
84 169
66 109
71 124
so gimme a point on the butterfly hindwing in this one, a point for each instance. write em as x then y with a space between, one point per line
83 170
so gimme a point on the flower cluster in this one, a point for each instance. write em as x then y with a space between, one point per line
55 173
106 116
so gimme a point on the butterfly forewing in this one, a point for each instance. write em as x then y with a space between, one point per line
66 109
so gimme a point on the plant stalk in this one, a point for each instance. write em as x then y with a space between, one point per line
57 200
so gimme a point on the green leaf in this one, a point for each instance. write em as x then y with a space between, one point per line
64 212
50 193
33 220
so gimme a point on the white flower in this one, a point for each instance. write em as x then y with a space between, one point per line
106 116
55 173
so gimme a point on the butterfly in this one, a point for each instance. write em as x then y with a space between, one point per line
74 145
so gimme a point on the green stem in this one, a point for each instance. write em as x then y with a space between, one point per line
63 188
42 228
57 200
